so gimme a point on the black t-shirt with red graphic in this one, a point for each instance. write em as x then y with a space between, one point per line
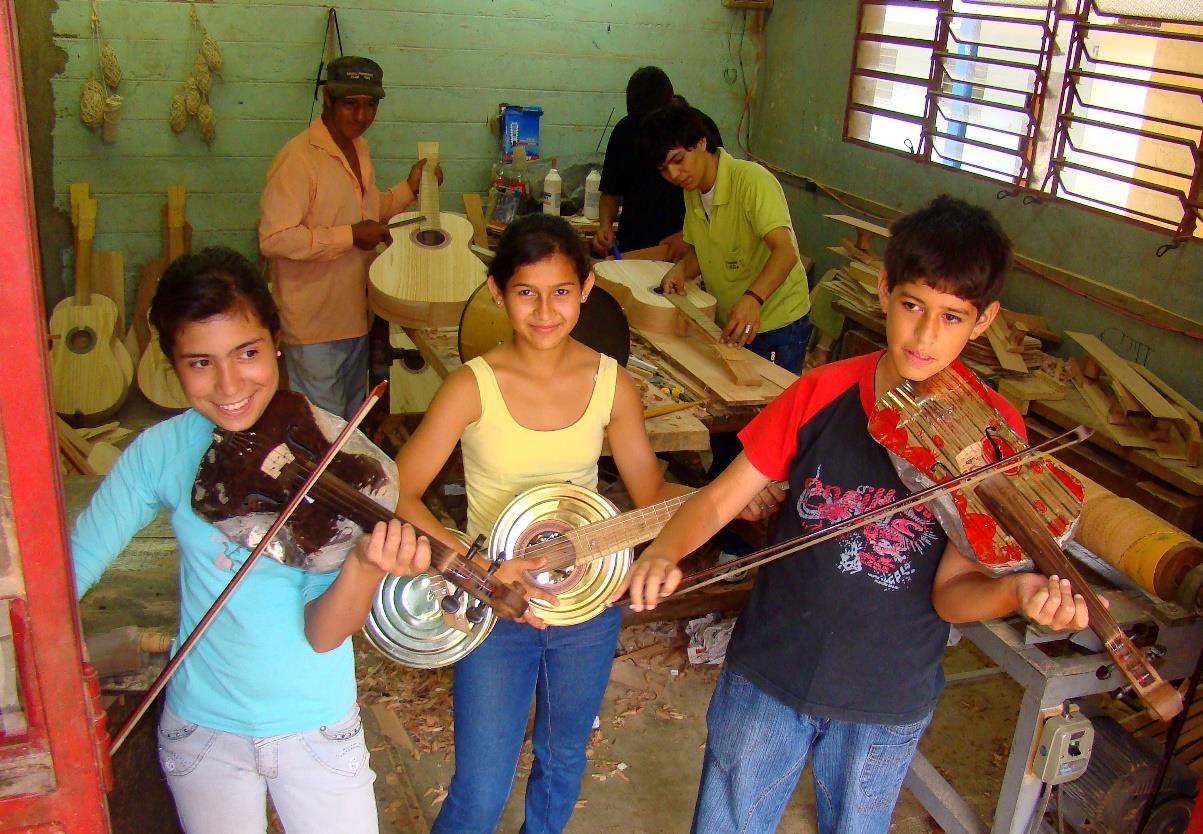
844 629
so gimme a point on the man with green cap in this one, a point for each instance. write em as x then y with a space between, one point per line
321 219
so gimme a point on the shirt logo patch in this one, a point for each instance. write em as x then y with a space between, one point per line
880 550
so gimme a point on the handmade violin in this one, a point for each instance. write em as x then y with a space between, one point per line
1017 516
257 470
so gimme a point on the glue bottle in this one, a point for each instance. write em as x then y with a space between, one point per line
592 195
552 185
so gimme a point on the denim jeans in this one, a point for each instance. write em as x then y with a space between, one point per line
319 779
333 375
756 748
785 346
565 669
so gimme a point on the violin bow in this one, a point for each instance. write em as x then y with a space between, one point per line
295 501
770 554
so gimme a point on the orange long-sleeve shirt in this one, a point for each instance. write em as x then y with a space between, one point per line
310 201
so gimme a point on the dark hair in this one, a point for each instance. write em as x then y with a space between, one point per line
530 239
647 89
951 246
714 139
210 283
673 126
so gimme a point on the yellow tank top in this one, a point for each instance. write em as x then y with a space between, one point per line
503 459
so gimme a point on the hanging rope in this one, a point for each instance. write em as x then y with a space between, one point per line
328 43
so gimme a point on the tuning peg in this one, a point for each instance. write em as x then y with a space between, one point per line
475 613
452 602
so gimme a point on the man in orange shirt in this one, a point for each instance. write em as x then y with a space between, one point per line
321 218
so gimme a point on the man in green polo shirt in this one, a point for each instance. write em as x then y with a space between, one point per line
739 235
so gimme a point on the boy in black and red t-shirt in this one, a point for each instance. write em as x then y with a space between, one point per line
838 650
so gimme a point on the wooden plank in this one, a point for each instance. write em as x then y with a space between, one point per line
1127 403
476 216
108 279
856 222
1120 371
696 359
1169 391
996 333
1101 405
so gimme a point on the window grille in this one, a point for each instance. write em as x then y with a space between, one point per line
1095 101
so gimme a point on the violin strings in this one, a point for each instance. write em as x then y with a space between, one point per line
606 537
702 578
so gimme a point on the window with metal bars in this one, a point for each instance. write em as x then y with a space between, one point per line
1095 101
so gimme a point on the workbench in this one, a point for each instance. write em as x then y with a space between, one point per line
1048 680
687 430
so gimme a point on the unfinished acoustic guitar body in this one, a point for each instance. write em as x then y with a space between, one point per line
90 371
424 278
634 284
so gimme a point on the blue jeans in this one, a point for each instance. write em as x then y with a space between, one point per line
565 669
756 748
785 346
333 375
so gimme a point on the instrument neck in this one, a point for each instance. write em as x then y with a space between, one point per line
602 538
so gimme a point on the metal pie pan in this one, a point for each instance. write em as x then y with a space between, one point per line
406 623
552 509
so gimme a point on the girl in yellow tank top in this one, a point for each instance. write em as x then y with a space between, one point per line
532 411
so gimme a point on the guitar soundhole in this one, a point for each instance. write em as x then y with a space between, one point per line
430 238
81 340
555 581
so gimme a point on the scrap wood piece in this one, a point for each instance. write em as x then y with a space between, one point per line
1094 395
1127 403
1036 325
77 458
996 333
1119 370
393 729
1169 391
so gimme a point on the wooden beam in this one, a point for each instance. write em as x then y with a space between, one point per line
1121 372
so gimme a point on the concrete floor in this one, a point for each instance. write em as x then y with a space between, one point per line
644 769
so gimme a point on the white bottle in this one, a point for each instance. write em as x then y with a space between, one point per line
552 184
592 195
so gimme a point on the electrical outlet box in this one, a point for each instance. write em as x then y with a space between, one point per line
1064 748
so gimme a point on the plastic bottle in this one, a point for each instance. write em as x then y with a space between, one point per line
592 195
552 185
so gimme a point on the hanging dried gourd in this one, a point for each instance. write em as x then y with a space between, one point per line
91 102
99 104
192 98
179 113
110 69
200 72
207 122
211 52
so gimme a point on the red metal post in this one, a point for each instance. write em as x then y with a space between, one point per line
44 613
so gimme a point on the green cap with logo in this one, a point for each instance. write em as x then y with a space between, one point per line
351 75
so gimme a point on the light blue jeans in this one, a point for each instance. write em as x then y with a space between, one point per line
756 748
333 375
319 780
565 669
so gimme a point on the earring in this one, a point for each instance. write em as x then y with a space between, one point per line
497 301
279 353
584 297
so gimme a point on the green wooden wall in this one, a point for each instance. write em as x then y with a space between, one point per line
799 127
446 65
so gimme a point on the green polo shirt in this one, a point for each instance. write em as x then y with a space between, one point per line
748 204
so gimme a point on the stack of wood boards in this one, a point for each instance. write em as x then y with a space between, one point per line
1135 408
1012 345
88 451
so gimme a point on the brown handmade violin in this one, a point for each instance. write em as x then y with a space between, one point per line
258 469
1019 515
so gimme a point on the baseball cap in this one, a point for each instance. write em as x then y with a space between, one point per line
350 75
